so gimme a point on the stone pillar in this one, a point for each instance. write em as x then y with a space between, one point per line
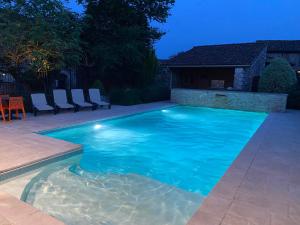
241 79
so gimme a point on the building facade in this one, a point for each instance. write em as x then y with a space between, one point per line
231 67
289 50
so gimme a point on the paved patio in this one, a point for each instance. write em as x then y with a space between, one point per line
262 187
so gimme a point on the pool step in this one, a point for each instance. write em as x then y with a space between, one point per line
111 199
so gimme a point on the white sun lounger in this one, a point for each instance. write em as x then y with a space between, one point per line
78 98
60 99
95 98
39 103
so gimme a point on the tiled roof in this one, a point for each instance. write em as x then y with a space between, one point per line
281 45
163 61
219 55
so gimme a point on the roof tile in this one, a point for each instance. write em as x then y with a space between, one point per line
219 55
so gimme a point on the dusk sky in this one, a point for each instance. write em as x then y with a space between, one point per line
200 22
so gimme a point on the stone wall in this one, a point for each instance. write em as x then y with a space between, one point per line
257 67
243 76
241 79
247 101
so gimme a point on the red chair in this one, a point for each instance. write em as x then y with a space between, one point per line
2 107
16 104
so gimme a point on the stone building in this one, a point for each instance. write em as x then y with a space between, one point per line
231 67
290 50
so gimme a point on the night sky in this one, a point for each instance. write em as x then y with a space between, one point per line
200 22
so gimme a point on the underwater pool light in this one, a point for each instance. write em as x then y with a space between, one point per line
98 126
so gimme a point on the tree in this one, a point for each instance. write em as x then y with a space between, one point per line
39 36
120 37
278 77
151 67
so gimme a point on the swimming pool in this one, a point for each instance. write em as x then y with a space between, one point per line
150 168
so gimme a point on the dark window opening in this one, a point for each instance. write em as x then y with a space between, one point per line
204 78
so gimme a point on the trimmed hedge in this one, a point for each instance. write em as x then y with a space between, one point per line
125 97
278 77
129 96
155 93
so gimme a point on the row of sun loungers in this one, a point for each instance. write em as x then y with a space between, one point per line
40 103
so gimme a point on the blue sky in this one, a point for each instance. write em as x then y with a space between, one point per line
200 22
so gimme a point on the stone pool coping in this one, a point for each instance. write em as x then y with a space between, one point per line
266 167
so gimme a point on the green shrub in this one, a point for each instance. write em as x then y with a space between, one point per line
125 97
129 96
155 93
278 77
98 85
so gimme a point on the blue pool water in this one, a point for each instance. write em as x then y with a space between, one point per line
183 149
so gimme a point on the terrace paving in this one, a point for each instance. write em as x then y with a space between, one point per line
262 187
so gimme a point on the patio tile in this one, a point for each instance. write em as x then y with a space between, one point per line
216 205
4 221
250 212
275 220
294 212
234 220
225 190
38 218
13 208
19 213
203 218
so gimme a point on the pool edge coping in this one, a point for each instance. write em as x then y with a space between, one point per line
36 164
42 132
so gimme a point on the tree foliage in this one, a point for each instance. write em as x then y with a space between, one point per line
120 38
38 35
151 67
113 41
278 77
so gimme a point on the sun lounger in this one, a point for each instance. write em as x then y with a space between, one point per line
95 98
39 103
78 99
60 99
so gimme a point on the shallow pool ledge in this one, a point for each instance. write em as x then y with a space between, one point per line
238 100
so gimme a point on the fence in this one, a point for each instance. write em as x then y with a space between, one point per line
16 89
